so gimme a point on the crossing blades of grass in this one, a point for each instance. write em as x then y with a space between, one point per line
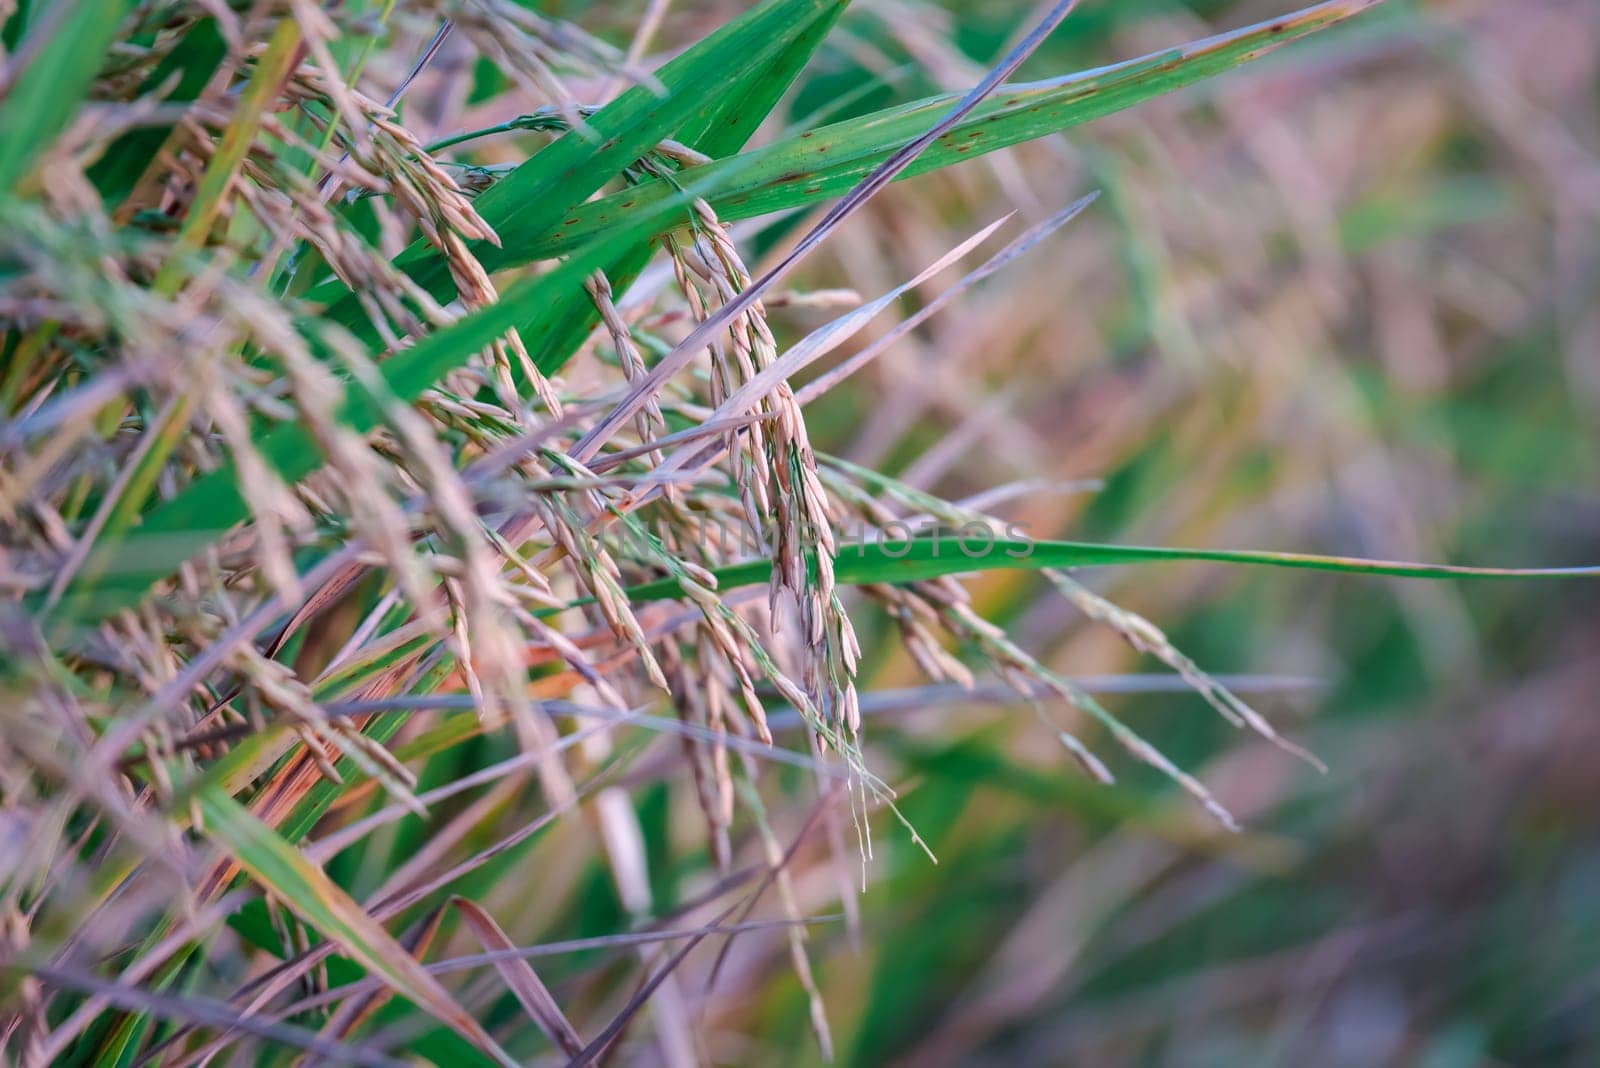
519 975
722 129
827 162
306 889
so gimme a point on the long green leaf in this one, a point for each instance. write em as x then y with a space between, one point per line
826 162
932 557
306 889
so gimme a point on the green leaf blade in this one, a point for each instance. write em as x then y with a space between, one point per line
918 559
827 162
306 889
46 92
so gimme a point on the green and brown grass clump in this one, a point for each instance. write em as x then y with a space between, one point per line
373 484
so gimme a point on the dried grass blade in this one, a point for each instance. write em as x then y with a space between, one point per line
305 888
210 1013
519 975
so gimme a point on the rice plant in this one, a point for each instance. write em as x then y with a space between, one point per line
392 502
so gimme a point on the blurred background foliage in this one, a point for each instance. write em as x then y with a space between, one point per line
1340 301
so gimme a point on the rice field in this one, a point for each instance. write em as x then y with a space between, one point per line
884 533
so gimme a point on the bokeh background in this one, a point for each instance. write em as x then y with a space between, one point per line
1341 301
